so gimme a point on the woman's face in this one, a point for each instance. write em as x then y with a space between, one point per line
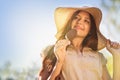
81 22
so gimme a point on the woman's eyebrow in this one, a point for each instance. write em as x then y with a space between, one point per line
87 18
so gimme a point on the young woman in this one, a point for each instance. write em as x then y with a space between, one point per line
78 58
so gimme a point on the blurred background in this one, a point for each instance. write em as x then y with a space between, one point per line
27 27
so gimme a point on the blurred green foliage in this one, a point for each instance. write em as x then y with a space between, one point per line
8 73
113 12
110 65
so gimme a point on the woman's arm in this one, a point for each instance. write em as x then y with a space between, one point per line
60 53
56 71
105 74
114 49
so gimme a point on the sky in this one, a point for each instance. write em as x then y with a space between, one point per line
27 26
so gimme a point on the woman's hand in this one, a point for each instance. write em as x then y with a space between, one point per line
113 47
60 52
60 49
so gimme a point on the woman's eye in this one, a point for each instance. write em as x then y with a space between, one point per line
87 21
76 17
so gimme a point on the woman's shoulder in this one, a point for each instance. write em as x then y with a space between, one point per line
101 56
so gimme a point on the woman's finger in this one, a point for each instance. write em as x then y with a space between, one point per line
115 45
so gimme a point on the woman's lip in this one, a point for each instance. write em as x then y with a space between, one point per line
78 27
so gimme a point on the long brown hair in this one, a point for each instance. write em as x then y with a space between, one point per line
91 40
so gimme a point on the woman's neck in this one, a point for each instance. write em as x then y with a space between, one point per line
77 42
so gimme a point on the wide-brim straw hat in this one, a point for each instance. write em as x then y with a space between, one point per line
63 14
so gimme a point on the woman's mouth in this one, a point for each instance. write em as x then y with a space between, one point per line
79 28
